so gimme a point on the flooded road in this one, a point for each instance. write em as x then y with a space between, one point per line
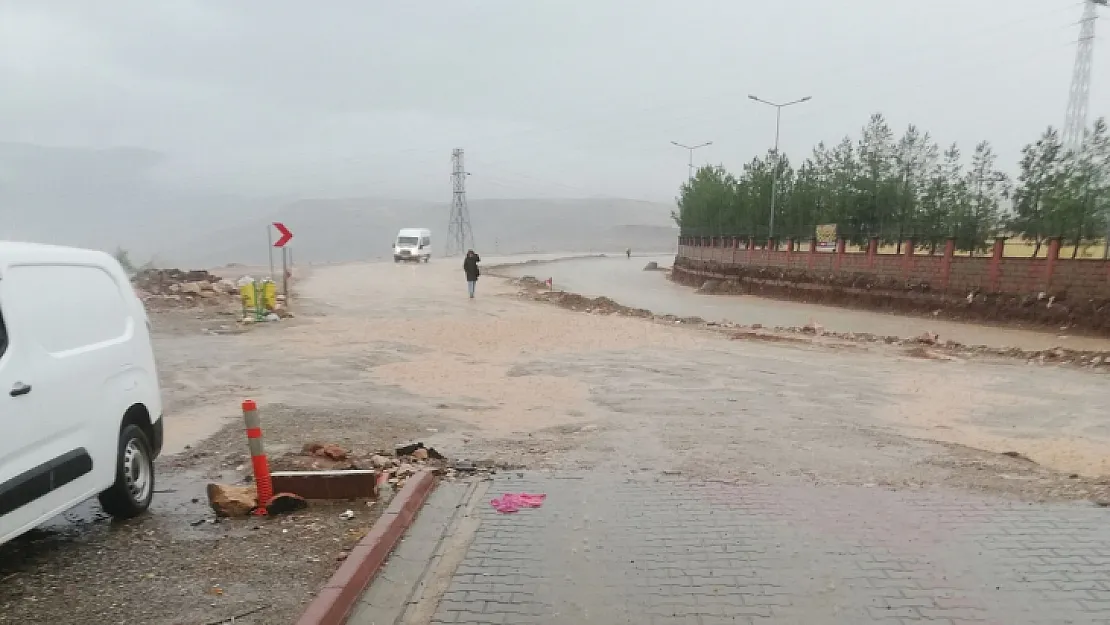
382 354
624 281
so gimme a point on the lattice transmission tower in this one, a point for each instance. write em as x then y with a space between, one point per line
459 236
1079 97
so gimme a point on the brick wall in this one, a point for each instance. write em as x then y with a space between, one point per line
943 272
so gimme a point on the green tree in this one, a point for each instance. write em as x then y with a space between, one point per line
706 201
914 157
986 187
876 155
1038 175
876 186
1087 187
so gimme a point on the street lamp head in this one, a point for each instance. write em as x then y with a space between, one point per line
807 98
752 97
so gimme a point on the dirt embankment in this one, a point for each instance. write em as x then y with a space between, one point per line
1049 310
925 346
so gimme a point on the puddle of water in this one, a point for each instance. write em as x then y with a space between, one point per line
626 282
188 427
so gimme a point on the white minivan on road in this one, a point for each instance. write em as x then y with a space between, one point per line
413 244
80 407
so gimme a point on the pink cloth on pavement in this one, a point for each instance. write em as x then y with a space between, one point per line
509 502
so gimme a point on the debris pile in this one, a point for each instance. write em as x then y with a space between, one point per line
398 465
169 288
536 290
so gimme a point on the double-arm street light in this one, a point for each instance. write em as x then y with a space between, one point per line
775 173
691 148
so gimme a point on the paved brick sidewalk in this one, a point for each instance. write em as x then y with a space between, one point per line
656 550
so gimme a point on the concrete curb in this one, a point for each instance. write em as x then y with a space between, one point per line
336 600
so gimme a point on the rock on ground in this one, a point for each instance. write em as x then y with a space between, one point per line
232 501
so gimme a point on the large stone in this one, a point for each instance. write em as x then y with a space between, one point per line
709 286
382 462
928 338
232 501
334 452
193 288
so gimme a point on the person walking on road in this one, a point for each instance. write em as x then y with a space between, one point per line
470 268
628 253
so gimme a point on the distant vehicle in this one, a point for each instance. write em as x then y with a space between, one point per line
413 244
79 399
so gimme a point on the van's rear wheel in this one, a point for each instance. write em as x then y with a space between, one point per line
134 487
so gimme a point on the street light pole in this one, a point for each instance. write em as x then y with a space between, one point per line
691 149
775 171
690 165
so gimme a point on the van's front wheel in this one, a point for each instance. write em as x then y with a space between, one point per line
134 487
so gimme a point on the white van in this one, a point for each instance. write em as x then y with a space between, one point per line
413 244
80 406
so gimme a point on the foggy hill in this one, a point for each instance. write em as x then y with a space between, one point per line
114 197
360 229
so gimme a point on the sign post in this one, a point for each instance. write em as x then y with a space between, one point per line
285 274
270 248
286 237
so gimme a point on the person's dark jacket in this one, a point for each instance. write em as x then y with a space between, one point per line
470 266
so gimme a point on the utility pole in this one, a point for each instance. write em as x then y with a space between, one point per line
691 149
775 171
1079 96
459 236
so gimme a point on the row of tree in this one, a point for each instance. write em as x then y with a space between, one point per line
909 188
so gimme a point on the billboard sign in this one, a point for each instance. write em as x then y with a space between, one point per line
826 237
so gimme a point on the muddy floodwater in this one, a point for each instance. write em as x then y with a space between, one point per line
380 354
624 281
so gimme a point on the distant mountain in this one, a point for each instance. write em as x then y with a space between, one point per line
360 229
115 197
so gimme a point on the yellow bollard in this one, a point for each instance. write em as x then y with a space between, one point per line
269 295
246 294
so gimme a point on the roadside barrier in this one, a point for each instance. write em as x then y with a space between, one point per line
259 463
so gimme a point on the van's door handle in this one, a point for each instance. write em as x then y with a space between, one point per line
19 388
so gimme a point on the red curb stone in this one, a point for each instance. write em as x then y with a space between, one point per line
337 599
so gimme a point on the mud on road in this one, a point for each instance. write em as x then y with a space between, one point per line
380 354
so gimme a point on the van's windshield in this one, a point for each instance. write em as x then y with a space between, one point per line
407 240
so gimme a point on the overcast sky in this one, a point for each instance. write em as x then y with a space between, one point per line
548 97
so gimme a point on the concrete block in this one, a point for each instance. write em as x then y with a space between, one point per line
353 484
